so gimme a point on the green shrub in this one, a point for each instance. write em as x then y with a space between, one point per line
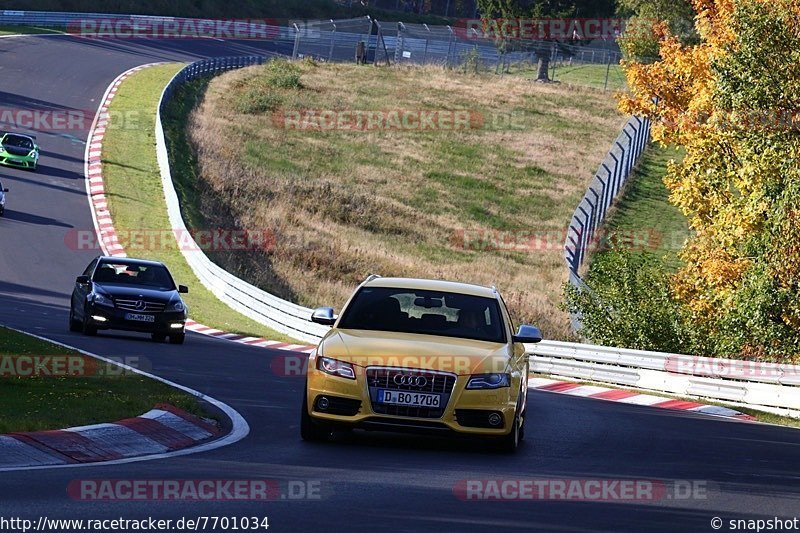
628 302
282 74
258 99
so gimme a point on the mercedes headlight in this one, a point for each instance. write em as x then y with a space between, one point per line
176 306
101 299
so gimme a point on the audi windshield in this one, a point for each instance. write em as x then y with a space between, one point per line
425 312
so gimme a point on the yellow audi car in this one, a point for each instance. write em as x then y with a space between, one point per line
421 356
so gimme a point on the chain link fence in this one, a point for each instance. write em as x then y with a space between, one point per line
365 39
592 64
333 40
603 190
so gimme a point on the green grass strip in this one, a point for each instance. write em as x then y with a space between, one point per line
136 197
70 389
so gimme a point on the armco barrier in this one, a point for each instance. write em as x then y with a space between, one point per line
249 300
767 386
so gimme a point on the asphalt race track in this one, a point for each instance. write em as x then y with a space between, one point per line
375 482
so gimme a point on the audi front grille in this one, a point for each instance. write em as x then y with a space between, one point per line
441 383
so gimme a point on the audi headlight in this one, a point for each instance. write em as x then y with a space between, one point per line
176 306
101 299
489 381
336 368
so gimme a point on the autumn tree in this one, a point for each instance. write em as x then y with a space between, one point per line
733 102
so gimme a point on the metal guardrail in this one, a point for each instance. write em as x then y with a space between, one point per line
261 306
768 386
603 190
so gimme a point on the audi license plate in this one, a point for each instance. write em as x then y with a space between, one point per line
140 318
411 399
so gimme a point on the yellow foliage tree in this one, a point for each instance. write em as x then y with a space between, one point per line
733 102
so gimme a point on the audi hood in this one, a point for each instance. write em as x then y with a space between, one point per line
365 348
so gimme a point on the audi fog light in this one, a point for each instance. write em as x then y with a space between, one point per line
495 419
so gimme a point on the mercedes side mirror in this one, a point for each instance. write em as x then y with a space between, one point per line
324 316
5 190
82 280
528 334
183 289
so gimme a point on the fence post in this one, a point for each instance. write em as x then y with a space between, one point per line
449 43
427 42
333 40
398 47
296 41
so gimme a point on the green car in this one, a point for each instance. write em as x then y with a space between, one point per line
18 150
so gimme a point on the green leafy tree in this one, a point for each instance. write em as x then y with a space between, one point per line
640 41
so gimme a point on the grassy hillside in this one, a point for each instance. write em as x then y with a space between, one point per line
488 204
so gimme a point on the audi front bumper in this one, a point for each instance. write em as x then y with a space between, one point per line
352 403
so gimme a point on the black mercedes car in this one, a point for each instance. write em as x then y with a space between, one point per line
128 294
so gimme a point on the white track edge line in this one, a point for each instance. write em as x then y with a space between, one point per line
239 430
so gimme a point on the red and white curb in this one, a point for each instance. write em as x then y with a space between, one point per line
623 396
161 430
104 226
191 325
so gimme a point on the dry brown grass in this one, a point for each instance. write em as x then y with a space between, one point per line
347 204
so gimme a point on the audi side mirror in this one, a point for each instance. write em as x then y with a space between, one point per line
5 190
183 289
82 280
528 334
324 316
